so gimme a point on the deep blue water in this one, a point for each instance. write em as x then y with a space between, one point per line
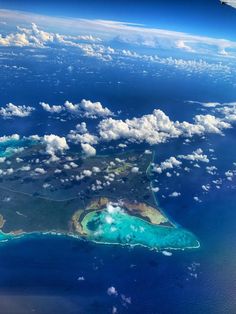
156 283
40 275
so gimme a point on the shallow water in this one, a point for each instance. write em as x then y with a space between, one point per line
121 228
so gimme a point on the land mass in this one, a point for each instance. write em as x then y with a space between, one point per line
105 199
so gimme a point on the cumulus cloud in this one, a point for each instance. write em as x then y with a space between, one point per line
94 109
124 33
34 37
51 109
169 163
135 170
87 173
76 137
112 291
90 46
88 150
153 128
5 138
229 111
229 175
196 155
211 170
157 128
40 171
196 198
174 162
96 169
206 187
196 66
37 38
81 135
55 144
12 110
82 127
85 108
175 194
211 124
155 189
88 109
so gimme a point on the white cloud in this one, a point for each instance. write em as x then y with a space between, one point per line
5 138
88 109
155 189
12 110
135 170
114 310
157 128
153 128
81 127
51 109
85 108
76 138
205 104
25 168
196 198
206 187
37 38
112 291
229 111
54 144
229 175
181 44
88 150
87 173
175 194
94 109
108 30
211 124
169 163
96 169
197 66
40 171
197 155
211 170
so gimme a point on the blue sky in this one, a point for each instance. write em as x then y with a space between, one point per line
199 27
204 17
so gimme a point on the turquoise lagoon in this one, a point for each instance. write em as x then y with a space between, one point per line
124 229
11 145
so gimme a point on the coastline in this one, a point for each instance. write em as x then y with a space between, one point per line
9 237
13 236
162 211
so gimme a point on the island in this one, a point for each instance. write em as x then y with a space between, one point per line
130 224
106 199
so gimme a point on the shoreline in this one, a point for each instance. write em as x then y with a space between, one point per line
12 236
9 237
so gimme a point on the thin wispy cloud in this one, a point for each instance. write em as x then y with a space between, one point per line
127 33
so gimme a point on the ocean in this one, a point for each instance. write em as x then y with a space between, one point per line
45 272
52 274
